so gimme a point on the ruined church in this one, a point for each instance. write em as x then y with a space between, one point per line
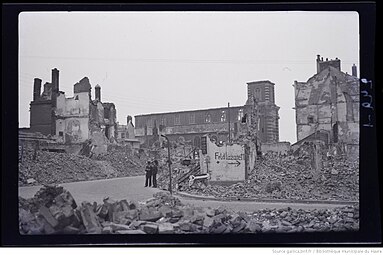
327 105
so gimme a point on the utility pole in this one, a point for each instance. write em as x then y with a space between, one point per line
169 163
228 119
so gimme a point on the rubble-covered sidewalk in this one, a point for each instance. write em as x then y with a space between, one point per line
53 210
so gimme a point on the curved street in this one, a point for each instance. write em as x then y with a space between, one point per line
132 188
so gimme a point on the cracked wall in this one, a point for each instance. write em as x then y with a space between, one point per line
328 101
224 163
72 115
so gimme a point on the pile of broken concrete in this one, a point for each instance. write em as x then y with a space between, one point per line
54 211
124 160
53 168
293 178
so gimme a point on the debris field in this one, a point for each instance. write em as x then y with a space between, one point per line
54 168
282 177
53 210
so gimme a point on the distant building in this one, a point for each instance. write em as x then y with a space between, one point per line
126 135
268 122
328 103
74 119
191 125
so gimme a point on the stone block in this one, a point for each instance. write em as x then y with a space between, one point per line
197 219
219 218
67 210
150 228
102 211
107 230
165 228
253 226
131 232
266 226
186 226
166 211
65 198
150 216
116 226
47 228
124 205
89 219
220 210
29 224
125 216
286 223
188 212
239 228
45 212
208 222
133 205
136 224
56 212
218 229
235 220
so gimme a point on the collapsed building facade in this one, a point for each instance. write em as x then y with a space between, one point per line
75 119
260 110
327 106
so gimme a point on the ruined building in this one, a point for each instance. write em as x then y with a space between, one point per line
74 119
126 135
327 105
261 93
192 125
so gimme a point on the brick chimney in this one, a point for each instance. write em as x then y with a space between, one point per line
36 89
55 92
321 65
354 71
98 92
55 80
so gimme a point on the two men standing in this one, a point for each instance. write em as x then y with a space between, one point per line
151 170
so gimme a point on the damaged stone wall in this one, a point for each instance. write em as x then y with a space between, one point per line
280 147
110 121
41 108
328 101
225 162
41 116
190 125
72 124
97 125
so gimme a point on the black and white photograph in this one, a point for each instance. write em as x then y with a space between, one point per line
137 123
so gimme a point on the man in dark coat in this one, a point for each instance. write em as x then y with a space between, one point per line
148 175
154 173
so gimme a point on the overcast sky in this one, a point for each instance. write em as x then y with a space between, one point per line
150 62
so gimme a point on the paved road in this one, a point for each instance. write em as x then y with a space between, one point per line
132 188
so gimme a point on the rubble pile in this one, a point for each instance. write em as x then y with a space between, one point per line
163 175
52 167
292 177
124 160
54 211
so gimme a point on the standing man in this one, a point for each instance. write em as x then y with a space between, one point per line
148 174
154 173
